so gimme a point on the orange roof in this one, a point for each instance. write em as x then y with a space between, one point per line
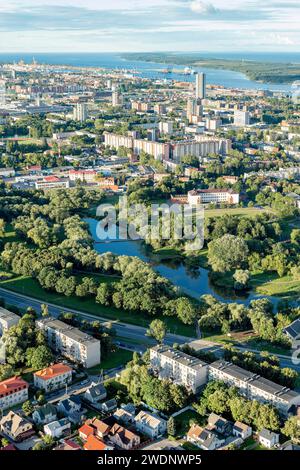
52 371
12 385
94 444
51 179
86 430
195 431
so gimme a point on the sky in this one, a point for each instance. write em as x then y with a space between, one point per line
149 25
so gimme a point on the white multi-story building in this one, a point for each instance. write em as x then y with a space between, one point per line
71 342
166 127
179 367
204 196
255 387
241 118
7 320
116 99
53 377
7 172
80 112
13 391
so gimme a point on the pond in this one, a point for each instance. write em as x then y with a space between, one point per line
194 282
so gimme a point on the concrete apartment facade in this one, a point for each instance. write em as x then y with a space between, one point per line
71 342
183 369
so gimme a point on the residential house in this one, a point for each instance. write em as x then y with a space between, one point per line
56 429
45 414
241 430
123 438
13 391
292 331
219 424
53 377
16 427
9 447
181 368
150 424
204 438
71 408
95 393
268 438
123 416
109 405
95 427
68 444
93 443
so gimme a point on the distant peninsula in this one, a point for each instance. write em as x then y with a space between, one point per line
266 72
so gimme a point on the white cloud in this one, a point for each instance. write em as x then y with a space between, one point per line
198 6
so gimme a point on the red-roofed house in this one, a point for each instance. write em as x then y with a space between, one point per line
9 447
53 377
12 392
93 443
68 444
85 431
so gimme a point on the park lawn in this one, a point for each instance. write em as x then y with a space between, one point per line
28 286
261 345
273 285
241 211
115 359
182 422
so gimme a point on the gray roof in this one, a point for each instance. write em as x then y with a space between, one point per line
97 390
293 330
45 410
179 356
67 330
266 434
255 380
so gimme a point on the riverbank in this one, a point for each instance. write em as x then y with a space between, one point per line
265 72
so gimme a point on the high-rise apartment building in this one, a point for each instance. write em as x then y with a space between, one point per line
80 112
200 86
241 118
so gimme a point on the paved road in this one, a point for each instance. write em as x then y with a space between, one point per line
217 349
123 330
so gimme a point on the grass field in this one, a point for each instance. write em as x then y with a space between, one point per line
183 420
116 359
272 284
31 287
241 211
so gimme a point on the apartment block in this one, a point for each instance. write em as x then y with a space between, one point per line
255 387
7 320
179 367
71 342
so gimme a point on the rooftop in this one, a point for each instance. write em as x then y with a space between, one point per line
53 371
179 356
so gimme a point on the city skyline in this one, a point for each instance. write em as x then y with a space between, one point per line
162 25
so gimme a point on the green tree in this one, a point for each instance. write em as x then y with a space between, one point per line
227 253
157 330
171 427
27 407
291 428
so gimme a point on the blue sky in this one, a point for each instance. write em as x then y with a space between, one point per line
148 25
